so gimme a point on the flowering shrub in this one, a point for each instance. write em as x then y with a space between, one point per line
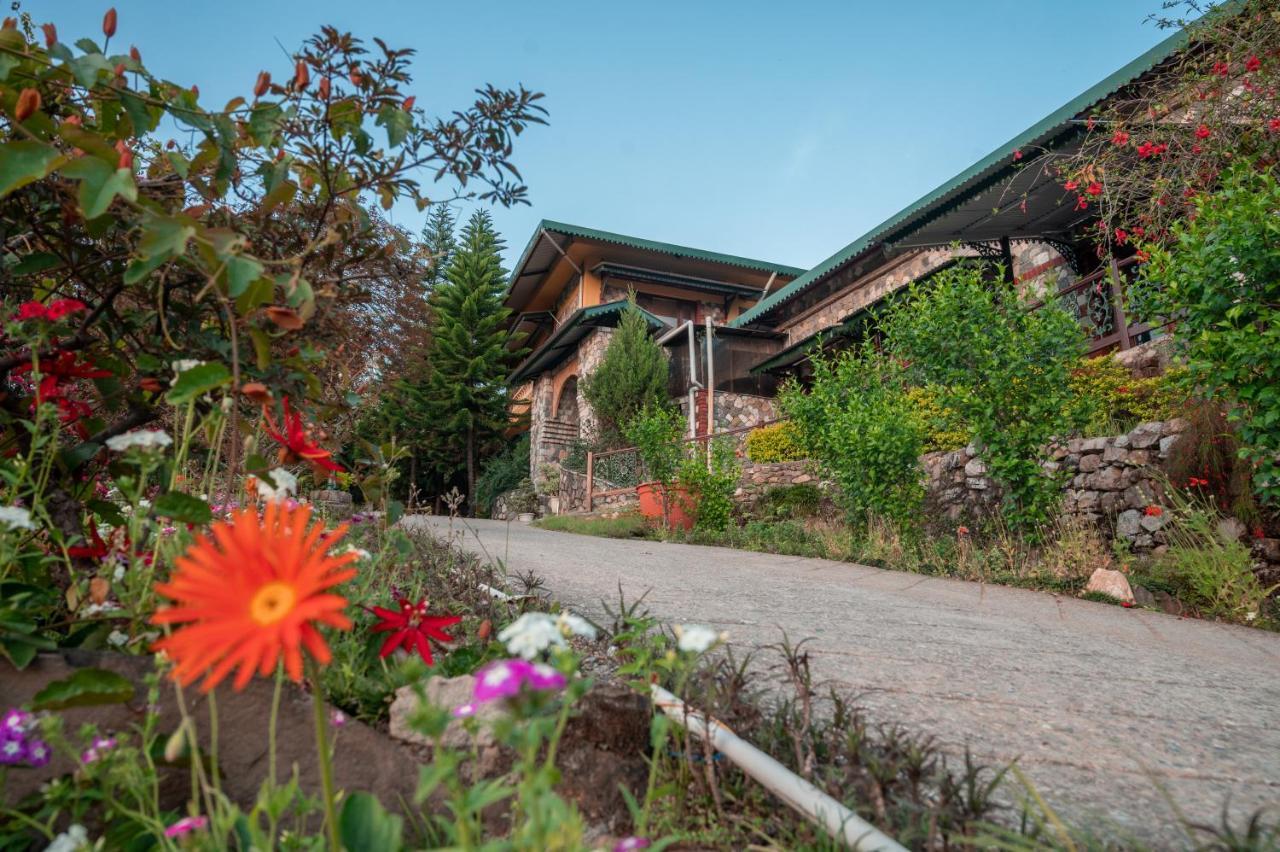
1111 400
944 430
779 442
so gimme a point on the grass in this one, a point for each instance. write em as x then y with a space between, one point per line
628 525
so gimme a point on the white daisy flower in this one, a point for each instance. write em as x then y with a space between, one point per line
16 518
531 634
147 439
697 638
576 625
286 485
75 838
118 639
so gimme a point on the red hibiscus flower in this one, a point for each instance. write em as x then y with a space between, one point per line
1253 63
1094 188
1071 185
412 629
1153 511
62 307
1120 138
1122 236
54 373
1202 132
294 443
1222 69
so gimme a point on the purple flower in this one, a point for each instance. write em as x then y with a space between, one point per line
101 745
38 753
12 751
463 711
627 844
185 826
14 724
337 718
505 679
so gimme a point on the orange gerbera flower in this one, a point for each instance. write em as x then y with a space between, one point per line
253 594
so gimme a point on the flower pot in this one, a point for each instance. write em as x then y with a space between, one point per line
525 517
678 510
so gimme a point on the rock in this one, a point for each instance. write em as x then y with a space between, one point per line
1135 497
1129 523
1168 603
1143 597
1138 458
1230 529
1176 426
1110 582
975 467
1111 502
1087 501
446 693
1143 542
1151 523
1093 445
1267 550
335 504
1120 441
1145 435
976 483
1166 444
1114 454
1088 464
365 758
1107 479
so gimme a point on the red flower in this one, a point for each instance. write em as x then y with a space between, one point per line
1153 511
1257 532
1122 236
61 307
962 530
1088 125
31 310
412 629
294 443
1202 132
1127 604
1122 389
1142 256
1273 124
1222 69
1094 188
1253 63
1081 204
1017 155
97 550
1146 149
64 367
1121 138
1071 185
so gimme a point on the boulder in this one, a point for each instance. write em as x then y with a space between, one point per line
446 693
1112 583
1090 463
1145 435
1129 523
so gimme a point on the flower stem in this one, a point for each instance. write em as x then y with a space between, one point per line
326 763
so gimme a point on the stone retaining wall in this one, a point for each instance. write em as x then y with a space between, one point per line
1109 481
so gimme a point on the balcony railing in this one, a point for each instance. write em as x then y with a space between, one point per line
1098 301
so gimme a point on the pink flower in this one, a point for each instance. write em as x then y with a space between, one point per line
464 711
505 679
101 745
185 826
544 677
337 718
1120 138
629 844
1017 155
38 753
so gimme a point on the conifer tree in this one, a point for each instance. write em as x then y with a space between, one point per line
466 393
632 376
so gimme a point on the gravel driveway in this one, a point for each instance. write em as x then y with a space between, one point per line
1097 702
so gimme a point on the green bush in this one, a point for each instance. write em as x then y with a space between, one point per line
944 428
1004 369
859 425
711 486
631 377
779 442
502 473
1110 400
790 501
1220 281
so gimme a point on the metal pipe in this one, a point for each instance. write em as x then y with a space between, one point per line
711 390
842 823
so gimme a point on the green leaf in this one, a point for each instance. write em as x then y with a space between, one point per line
395 511
107 511
165 236
241 272
139 268
8 62
19 650
100 184
398 123
140 114
198 380
182 507
79 454
36 263
261 346
365 826
24 162
85 688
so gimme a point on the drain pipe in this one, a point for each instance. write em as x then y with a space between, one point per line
840 822
694 384
711 390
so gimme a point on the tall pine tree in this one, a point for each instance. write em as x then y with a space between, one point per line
466 392
631 377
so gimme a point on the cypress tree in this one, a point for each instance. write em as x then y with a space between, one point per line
632 376
466 392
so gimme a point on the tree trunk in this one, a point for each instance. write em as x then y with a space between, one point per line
471 471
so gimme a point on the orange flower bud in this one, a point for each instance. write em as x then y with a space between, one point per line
256 392
408 103
119 69
486 627
126 156
323 89
286 318
109 22
195 90
355 77
73 120
135 55
28 103
264 83
50 34
151 385
301 76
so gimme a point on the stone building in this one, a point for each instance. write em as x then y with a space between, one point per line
1010 211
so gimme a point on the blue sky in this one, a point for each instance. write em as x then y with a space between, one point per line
771 130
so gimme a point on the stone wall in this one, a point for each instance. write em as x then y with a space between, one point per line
1109 481
758 477
733 410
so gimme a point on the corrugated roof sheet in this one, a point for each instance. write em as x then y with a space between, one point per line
1000 158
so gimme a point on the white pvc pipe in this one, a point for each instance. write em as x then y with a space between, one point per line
840 822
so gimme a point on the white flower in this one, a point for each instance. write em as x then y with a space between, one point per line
183 364
105 606
531 634
118 638
16 518
697 638
570 624
71 840
118 574
148 439
1250 616
361 554
286 485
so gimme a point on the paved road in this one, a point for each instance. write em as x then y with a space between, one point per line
1094 700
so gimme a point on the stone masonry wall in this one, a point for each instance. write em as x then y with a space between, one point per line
1109 481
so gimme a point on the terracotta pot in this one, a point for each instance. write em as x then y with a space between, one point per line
678 510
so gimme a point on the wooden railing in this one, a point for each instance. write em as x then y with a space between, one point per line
1098 302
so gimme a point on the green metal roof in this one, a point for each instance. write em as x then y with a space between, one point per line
1001 159
566 338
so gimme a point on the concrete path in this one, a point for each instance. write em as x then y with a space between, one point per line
1095 701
